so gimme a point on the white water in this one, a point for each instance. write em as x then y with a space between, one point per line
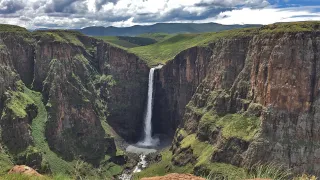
148 141
139 167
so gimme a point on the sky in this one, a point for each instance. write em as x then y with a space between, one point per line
71 14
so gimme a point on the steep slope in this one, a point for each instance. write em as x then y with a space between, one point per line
59 92
243 100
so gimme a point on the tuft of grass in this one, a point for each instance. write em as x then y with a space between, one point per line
259 171
222 171
269 171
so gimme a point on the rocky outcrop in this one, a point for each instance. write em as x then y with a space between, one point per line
22 169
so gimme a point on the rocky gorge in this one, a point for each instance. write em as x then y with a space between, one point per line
244 97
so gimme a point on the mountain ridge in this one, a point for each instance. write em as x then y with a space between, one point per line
170 28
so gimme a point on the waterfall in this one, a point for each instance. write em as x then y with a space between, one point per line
148 140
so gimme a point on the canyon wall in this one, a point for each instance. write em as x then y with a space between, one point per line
127 97
265 85
70 92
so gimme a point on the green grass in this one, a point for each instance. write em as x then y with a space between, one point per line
126 42
264 171
141 41
57 165
18 103
11 28
156 36
63 36
304 26
239 126
233 125
269 171
113 40
166 50
202 150
5 163
224 171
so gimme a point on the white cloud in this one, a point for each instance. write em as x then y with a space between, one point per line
266 15
82 13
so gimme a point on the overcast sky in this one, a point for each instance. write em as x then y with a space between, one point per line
82 13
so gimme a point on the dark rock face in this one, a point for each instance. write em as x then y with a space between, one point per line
126 100
21 51
274 77
175 83
285 78
178 79
231 152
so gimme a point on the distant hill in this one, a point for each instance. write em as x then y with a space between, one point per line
131 41
169 28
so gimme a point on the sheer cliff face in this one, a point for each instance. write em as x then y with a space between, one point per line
285 79
176 83
84 83
217 65
126 98
273 77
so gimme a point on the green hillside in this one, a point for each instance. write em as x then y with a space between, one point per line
166 50
156 36
172 45
127 41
